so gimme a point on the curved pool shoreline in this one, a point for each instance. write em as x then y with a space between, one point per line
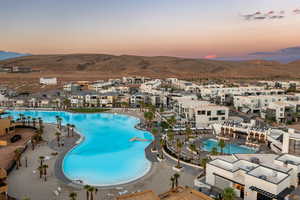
60 163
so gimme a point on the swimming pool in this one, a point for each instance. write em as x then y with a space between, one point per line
209 144
105 156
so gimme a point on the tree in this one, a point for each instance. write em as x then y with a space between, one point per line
34 122
162 144
193 149
91 191
214 151
203 164
58 121
72 129
172 179
42 159
68 129
172 121
73 196
17 158
45 167
67 103
188 133
58 134
176 177
41 171
222 145
86 187
179 146
149 116
228 194
40 120
154 132
170 135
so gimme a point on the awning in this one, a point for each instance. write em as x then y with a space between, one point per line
265 193
279 196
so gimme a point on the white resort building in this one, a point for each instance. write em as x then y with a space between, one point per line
200 113
255 176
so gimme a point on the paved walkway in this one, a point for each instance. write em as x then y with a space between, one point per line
25 182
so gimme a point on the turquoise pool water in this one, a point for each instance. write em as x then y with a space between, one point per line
209 144
105 156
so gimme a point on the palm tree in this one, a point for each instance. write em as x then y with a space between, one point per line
17 156
148 117
176 177
45 171
33 141
188 133
86 187
40 120
162 144
91 190
34 122
58 121
73 196
28 120
41 170
68 129
228 194
170 135
172 179
42 159
214 151
154 132
72 130
203 164
222 145
193 149
172 121
179 146
58 134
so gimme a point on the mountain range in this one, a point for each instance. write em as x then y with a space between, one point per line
91 67
286 55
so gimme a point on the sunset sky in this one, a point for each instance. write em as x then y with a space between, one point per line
185 28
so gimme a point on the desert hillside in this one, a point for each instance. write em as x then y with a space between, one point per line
96 66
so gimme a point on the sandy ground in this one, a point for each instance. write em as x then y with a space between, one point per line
7 153
25 182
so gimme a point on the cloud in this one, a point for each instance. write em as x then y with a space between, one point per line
272 14
210 56
296 11
264 15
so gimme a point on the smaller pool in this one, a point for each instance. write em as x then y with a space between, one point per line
209 144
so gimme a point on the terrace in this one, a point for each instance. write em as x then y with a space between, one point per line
289 159
268 174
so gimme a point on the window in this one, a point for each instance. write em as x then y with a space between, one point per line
201 112
208 113
221 112
213 119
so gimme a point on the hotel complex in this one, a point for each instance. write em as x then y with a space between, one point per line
219 141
